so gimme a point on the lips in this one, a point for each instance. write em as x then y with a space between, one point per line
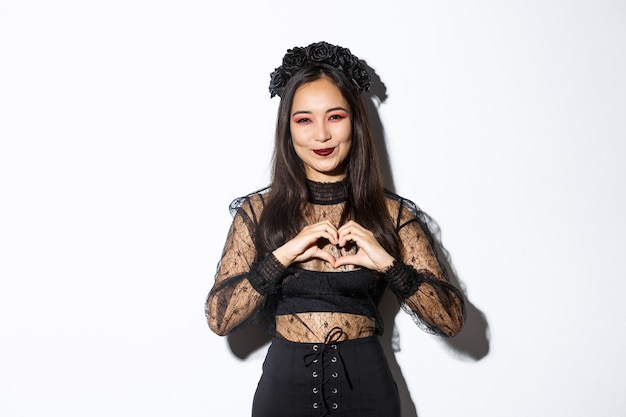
324 152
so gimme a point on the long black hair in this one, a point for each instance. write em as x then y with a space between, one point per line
287 200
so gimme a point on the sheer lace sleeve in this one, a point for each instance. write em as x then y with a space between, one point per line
419 280
241 282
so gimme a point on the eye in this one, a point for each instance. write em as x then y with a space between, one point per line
303 120
337 116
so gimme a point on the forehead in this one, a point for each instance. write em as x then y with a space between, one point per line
319 94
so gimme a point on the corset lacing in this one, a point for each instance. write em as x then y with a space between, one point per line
326 366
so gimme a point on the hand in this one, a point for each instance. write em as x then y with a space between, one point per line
304 247
370 255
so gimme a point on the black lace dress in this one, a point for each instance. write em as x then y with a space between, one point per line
325 321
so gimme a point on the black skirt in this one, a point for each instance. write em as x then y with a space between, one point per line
344 379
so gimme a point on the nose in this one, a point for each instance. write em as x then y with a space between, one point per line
322 134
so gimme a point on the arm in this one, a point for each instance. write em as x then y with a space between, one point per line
418 280
241 284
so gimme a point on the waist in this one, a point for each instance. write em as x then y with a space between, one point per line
314 327
305 347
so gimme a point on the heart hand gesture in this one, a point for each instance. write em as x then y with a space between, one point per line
304 246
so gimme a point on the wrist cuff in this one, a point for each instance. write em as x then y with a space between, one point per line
402 279
266 275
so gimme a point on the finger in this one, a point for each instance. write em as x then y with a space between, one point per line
331 237
327 230
350 260
355 235
325 256
326 225
343 238
312 234
348 226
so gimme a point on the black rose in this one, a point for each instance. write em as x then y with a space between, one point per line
320 52
344 59
278 79
361 77
294 59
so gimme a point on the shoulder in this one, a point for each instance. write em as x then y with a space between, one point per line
399 206
250 204
404 211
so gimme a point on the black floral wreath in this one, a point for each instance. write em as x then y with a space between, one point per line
319 53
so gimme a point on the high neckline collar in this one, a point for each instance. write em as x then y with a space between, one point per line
328 192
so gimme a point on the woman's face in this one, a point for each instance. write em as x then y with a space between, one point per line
321 130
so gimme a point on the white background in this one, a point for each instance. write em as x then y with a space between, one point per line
127 127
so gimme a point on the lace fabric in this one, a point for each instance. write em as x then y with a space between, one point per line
246 291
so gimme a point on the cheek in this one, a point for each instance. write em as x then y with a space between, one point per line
346 132
296 142
347 147
298 147
296 135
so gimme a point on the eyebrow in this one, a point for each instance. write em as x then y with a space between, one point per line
332 109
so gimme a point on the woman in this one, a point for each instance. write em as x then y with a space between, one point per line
311 255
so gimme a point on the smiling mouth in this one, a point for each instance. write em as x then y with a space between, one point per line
324 152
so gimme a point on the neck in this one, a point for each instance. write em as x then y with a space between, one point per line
328 192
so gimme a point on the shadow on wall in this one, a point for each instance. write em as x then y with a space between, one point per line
472 343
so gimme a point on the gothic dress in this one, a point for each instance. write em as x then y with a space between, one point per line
325 358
